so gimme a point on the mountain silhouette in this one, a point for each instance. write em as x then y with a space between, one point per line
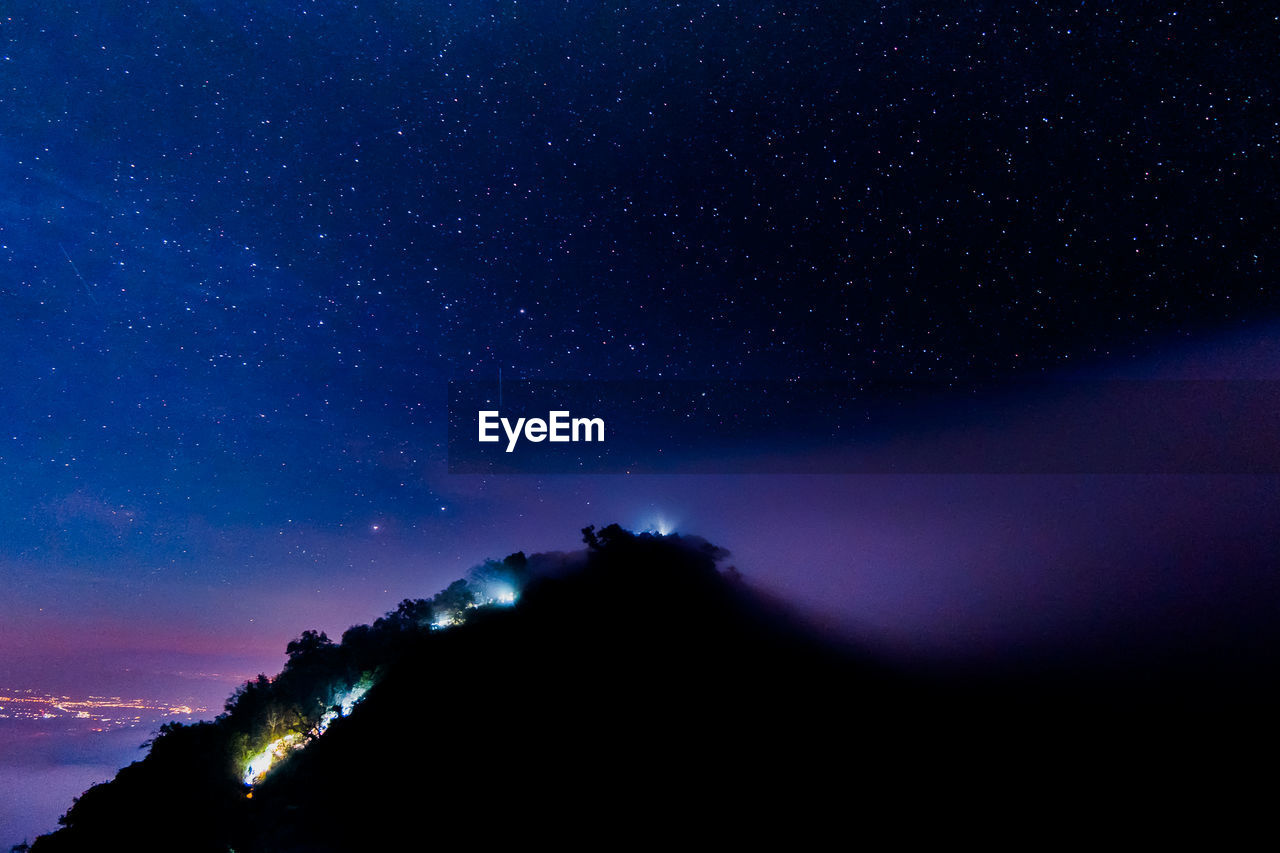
636 692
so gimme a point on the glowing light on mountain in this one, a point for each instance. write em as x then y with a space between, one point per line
445 620
264 760
499 593
659 524
342 705
325 720
352 696
485 593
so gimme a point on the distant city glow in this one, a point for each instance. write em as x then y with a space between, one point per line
104 712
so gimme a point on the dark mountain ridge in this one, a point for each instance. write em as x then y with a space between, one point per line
642 692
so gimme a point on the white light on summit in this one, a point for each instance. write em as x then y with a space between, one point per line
660 525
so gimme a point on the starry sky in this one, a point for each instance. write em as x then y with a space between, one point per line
244 247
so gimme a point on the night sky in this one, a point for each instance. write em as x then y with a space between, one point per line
245 246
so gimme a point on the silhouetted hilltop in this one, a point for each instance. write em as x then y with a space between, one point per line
637 689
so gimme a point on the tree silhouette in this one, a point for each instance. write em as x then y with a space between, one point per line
309 644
